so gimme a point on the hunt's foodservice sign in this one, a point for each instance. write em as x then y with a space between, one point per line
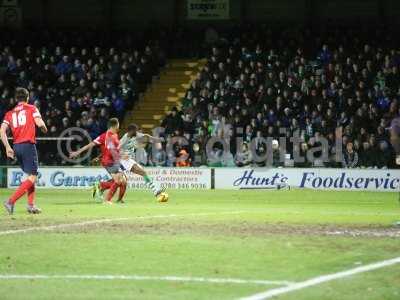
208 9
327 179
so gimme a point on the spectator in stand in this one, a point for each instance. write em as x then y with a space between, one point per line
350 157
384 156
118 105
172 122
244 158
183 159
64 66
366 157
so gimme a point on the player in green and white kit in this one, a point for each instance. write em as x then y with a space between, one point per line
129 143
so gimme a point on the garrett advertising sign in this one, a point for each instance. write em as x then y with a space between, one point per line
64 178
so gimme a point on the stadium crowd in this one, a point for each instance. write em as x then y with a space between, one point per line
73 82
258 80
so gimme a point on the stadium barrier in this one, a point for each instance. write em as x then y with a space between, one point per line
223 178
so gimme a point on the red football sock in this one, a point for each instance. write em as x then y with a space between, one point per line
105 185
122 190
31 195
112 191
23 188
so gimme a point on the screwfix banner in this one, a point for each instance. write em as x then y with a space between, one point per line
65 178
208 9
313 178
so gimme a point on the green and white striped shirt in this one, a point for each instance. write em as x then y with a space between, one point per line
129 145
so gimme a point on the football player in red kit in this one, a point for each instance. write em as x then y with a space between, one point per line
109 146
22 120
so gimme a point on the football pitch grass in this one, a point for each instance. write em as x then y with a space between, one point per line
201 245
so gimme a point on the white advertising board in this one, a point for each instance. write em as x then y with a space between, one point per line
63 178
329 179
225 178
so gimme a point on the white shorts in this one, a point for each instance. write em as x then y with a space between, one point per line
127 164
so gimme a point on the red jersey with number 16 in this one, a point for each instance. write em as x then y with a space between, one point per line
109 146
21 120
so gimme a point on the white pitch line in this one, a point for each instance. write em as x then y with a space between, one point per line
335 213
100 221
361 233
321 279
149 278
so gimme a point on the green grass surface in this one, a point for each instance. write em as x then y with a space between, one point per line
254 235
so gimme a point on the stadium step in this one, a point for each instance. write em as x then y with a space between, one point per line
165 92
